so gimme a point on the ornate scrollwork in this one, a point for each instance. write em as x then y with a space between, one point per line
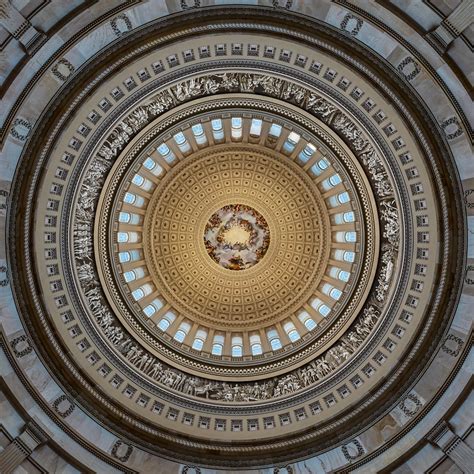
18 341
449 350
410 411
6 278
354 444
345 22
115 449
63 413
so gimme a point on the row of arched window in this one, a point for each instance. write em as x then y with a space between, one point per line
178 146
236 341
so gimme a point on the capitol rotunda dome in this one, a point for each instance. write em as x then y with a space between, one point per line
237 237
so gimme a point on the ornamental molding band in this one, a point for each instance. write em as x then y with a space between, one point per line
236 240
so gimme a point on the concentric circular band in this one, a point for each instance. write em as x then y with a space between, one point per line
239 234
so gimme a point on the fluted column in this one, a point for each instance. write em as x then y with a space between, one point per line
452 26
453 446
21 447
20 28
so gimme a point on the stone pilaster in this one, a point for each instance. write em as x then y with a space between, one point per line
21 447
452 26
20 28
453 446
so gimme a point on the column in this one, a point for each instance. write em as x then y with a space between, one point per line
20 28
452 26
453 446
21 447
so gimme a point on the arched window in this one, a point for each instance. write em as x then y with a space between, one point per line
129 256
138 294
134 274
324 310
349 256
149 164
237 346
166 321
198 344
199 339
130 198
343 197
341 275
217 130
349 216
122 237
217 345
166 153
255 345
335 179
124 217
331 182
153 166
182 143
331 291
236 128
182 331
274 339
141 182
124 257
141 292
344 276
335 294
127 218
291 331
130 237
319 306
307 152
320 166
256 349
350 237
275 344
153 307
133 199
138 180
307 320
199 135
129 276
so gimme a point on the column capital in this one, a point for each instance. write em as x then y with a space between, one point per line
452 445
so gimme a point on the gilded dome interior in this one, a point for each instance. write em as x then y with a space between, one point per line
236 237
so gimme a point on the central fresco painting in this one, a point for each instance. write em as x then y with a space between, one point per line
237 237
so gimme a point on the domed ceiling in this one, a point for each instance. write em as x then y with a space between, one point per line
236 238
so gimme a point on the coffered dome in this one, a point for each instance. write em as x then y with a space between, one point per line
236 238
